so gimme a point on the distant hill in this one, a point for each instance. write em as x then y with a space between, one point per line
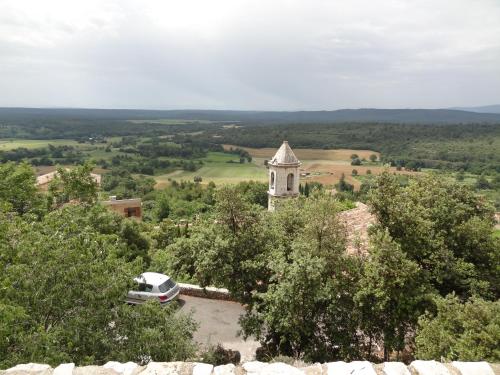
483 109
343 115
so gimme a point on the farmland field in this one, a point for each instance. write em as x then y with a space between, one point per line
220 168
10 144
325 166
168 121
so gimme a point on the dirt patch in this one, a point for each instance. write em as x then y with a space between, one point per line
330 174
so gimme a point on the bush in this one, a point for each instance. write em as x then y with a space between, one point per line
218 355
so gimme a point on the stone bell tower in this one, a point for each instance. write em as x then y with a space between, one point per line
283 175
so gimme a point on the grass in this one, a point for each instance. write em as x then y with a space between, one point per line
170 121
10 144
217 167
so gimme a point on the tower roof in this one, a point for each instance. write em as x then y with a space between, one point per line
284 156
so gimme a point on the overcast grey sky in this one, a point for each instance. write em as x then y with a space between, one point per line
249 54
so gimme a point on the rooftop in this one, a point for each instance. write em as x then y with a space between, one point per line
284 156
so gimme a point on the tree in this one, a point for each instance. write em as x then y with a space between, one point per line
76 183
307 310
392 294
482 183
343 185
373 158
354 156
356 161
307 190
354 172
163 208
368 171
18 192
67 279
467 331
445 228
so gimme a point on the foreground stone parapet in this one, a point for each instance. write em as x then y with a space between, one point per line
262 368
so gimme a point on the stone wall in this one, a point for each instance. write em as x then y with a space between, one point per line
207 292
260 368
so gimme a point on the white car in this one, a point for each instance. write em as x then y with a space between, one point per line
152 285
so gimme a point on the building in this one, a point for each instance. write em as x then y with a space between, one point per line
125 207
283 176
43 180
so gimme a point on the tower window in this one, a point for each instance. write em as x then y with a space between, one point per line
289 182
272 180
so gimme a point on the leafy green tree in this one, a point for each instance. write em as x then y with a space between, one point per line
392 294
467 331
163 208
373 158
76 183
307 190
354 172
18 192
153 332
307 310
65 277
343 185
482 183
445 228
356 161
253 192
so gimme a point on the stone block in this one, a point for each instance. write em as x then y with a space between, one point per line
30 368
429 368
395 368
280 368
128 368
64 369
202 369
93 370
351 368
473 368
316 369
168 368
254 367
228 369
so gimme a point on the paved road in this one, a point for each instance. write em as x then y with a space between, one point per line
218 323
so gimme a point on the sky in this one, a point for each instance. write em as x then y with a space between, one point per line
249 54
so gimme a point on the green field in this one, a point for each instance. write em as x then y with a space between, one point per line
169 121
217 168
10 144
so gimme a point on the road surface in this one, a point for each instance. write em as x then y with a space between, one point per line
218 323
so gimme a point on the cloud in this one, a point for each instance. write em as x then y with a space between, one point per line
249 54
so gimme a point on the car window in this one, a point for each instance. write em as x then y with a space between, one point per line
166 286
145 287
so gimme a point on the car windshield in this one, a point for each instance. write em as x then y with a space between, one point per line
166 286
